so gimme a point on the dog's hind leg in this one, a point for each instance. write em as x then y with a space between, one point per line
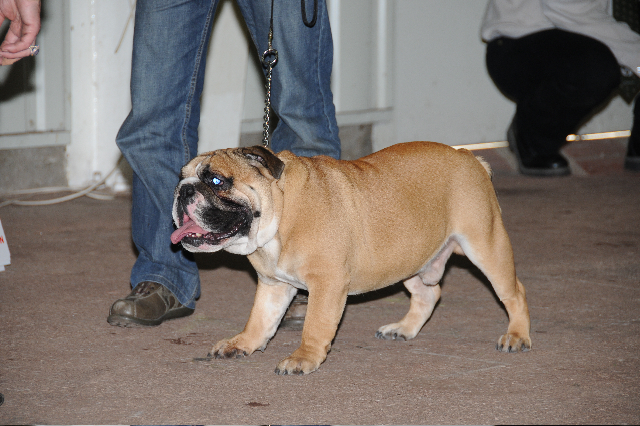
492 253
423 300
425 293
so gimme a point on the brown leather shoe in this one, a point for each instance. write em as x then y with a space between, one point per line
147 305
294 318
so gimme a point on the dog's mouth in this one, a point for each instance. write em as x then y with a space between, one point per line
192 234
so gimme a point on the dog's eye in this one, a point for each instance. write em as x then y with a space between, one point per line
216 181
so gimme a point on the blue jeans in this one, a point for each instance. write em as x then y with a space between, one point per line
160 134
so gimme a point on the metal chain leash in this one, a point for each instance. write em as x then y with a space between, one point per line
269 60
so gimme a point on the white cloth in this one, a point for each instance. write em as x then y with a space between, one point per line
517 18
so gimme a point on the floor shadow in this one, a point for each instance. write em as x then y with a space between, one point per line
222 259
388 291
463 262
455 261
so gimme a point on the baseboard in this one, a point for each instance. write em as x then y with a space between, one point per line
26 168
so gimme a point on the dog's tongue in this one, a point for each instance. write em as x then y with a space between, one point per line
189 227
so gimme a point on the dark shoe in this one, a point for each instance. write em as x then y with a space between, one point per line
532 164
294 318
148 304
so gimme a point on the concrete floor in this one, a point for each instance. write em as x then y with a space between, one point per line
577 247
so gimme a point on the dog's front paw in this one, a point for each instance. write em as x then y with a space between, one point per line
298 363
512 343
394 331
230 348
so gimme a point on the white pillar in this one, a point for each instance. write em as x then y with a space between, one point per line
100 78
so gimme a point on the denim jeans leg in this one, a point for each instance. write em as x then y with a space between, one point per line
301 92
160 134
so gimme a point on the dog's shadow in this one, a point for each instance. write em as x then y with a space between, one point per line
223 259
455 261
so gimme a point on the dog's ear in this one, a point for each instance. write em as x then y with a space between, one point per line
266 158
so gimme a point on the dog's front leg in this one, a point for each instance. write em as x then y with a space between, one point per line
324 311
269 306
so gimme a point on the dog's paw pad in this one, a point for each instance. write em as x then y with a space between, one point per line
225 349
296 366
394 331
390 336
294 372
511 343
230 353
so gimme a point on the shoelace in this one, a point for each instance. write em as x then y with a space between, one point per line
143 288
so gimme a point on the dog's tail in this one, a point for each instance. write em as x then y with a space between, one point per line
486 165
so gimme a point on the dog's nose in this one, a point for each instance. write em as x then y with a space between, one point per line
187 191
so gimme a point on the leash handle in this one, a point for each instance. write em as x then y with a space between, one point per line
308 23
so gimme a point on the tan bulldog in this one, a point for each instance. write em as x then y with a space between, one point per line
336 228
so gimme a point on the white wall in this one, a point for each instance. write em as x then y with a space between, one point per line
101 47
415 68
425 60
225 76
38 112
442 91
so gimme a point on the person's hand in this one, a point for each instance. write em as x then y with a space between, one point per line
25 25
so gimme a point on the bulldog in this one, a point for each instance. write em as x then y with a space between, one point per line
336 228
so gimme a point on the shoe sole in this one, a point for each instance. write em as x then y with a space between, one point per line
131 322
565 171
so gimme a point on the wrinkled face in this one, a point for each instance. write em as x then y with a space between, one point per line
225 201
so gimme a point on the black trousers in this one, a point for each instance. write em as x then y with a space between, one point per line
557 79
